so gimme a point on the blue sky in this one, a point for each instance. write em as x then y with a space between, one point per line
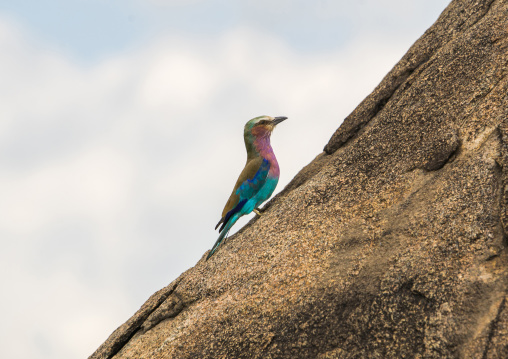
89 30
121 137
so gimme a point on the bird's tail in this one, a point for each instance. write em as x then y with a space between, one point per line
222 235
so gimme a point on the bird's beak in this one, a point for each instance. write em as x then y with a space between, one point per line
278 120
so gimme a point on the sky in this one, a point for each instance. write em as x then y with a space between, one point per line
121 126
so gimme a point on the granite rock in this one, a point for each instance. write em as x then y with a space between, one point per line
390 244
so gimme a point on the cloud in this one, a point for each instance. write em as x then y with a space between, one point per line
114 174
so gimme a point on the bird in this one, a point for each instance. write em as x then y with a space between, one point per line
258 179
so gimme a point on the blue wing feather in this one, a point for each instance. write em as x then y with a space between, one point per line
237 209
246 191
250 192
250 187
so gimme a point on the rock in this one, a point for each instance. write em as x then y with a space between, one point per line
390 244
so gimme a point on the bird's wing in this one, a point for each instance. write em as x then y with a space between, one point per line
252 178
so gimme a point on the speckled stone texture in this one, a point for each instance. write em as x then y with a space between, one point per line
390 244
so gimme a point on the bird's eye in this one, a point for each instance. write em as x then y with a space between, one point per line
263 122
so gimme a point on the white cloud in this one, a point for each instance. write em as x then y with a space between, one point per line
55 315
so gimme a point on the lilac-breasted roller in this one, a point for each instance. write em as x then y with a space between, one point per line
257 180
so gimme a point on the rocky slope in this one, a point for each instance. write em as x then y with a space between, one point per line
391 243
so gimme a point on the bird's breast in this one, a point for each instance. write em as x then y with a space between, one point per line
274 165
263 147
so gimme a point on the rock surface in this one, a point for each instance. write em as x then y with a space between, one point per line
390 244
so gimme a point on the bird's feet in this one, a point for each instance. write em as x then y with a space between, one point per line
257 211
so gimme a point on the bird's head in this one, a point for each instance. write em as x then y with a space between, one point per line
262 125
